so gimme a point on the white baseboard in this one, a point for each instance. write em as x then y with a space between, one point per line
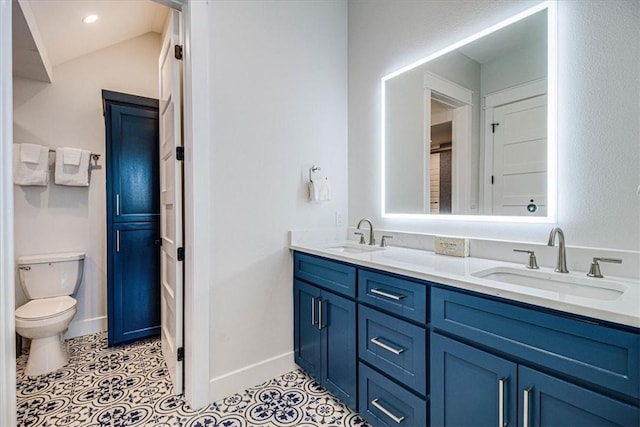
237 381
86 327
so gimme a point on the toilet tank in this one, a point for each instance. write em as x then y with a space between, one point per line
50 275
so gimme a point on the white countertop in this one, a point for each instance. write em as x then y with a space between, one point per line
457 272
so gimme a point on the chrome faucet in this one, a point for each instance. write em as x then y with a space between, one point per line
561 267
372 240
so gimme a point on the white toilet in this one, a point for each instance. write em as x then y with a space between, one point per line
48 280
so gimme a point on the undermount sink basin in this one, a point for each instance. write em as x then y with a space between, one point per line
354 248
585 287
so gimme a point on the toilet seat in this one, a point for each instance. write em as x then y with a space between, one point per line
45 308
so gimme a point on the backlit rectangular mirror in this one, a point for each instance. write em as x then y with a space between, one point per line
469 132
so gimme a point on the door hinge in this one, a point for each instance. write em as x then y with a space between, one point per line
177 51
491 179
493 127
180 354
180 254
179 153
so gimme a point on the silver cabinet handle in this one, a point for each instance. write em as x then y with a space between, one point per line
525 406
117 204
321 323
501 384
117 240
313 311
386 294
387 412
387 347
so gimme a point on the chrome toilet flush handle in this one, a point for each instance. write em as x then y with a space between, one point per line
25 267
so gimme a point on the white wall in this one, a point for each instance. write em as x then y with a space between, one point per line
405 142
279 105
598 111
68 112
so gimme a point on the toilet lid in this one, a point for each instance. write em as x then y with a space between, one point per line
45 307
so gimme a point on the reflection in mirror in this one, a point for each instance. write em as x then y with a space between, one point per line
465 131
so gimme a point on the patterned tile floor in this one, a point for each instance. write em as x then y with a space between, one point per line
129 386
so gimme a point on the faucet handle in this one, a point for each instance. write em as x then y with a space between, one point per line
594 271
533 263
383 242
361 234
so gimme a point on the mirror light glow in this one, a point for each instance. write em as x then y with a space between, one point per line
551 217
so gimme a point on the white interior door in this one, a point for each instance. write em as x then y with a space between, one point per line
171 222
520 157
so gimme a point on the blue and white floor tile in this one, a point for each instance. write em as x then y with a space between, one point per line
130 386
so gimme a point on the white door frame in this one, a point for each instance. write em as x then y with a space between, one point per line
7 265
197 209
460 99
491 101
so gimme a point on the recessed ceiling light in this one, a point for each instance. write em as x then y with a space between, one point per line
90 19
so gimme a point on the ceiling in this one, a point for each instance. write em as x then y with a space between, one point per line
48 33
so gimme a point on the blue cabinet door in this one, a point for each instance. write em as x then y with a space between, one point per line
134 297
134 163
324 339
133 213
470 387
548 401
306 338
337 318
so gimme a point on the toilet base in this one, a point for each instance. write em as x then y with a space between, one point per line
46 355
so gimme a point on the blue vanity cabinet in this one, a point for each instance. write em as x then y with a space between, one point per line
470 387
307 338
548 401
476 388
539 369
325 324
393 350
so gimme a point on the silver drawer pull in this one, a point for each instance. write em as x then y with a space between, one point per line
386 294
387 347
525 405
387 412
313 311
501 406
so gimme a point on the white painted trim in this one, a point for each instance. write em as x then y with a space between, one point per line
86 327
197 216
250 376
516 93
426 151
460 99
451 89
7 267
461 159
198 202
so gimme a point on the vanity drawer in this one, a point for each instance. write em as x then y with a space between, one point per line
598 354
332 275
384 403
396 347
398 296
